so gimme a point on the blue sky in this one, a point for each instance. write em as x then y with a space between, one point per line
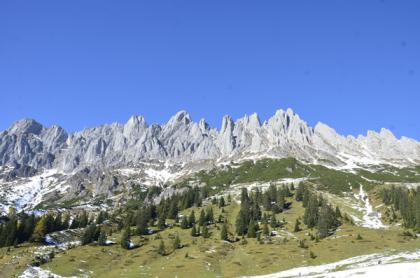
354 65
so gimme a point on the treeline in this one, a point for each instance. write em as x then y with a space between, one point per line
151 214
405 205
21 227
273 199
318 213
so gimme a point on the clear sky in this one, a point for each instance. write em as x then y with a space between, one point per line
354 65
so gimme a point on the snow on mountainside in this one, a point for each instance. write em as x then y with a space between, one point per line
39 163
185 141
404 264
26 193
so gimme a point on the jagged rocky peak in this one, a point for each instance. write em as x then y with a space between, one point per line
227 124
26 126
387 134
180 117
251 122
182 140
203 125
326 131
134 126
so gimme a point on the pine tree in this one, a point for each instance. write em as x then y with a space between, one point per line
49 223
222 202
177 243
224 232
66 221
40 230
58 222
141 222
191 218
297 226
90 234
337 212
265 231
205 232
10 230
161 222
241 224
161 249
299 192
327 220
209 215
173 210
273 221
125 238
251 230
101 217
83 219
27 228
202 219
184 223
194 231
102 238
310 217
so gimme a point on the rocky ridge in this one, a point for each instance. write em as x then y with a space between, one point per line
181 140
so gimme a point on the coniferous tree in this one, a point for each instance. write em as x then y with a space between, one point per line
29 227
222 202
194 231
161 222
224 232
252 233
173 210
49 223
58 222
90 234
299 192
265 230
337 212
125 241
66 221
241 224
310 217
177 243
101 217
102 238
205 232
161 249
10 230
209 215
297 226
273 221
83 219
202 219
141 222
40 230
184 223
191 218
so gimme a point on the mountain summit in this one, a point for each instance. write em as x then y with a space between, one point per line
182 140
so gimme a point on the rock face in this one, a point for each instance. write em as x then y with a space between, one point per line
28 143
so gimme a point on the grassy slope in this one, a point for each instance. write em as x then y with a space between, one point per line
212 257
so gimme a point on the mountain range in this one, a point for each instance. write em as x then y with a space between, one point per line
181 140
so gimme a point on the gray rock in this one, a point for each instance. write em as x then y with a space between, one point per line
185 141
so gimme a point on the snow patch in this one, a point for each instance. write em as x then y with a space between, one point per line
383 265
371 218
27 193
